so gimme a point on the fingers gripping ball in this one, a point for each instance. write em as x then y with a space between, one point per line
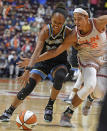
26 120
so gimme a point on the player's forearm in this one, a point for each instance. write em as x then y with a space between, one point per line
47 55
51 53
35 55
55 52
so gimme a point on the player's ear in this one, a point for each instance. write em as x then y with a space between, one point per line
86 17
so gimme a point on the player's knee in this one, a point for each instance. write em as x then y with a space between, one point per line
90 86
85 91
59 78
27 90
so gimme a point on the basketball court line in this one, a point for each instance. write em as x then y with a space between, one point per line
33 95
54 125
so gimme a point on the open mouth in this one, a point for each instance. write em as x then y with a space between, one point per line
78 26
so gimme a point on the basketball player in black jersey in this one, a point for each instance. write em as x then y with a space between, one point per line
51 37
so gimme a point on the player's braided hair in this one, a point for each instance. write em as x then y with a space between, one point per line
60 8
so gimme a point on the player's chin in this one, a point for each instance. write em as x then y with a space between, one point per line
57 29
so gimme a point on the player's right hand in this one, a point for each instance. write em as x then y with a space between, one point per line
24 79
23 63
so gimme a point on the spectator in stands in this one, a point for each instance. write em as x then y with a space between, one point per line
6 10
12 65
27 47
31 18
93 6
27 5
15 43
41 10
9 24
105 5
2 27
1 7
70 12
32 2
76 2
10 1
1 3
84 2
22 21
39 19
17 27
13 19
26 27
6 41
42 2
3 63
48 12
34 27
69 3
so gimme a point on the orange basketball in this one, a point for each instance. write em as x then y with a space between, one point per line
26 120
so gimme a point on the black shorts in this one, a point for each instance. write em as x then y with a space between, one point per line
45 68
72 58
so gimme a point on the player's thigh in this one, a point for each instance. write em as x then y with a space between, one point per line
101 87
89 76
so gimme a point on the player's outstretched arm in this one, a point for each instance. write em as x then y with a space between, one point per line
69 41
39 46
101 22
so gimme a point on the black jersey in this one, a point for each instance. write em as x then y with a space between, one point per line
54 42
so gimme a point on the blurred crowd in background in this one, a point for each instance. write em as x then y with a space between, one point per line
21 22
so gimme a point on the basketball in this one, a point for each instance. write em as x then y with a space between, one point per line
26 120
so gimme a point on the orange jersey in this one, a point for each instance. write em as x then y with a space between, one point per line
91 44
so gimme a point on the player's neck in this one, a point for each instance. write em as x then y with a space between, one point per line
55 33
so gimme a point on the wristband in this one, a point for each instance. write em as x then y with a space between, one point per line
28 68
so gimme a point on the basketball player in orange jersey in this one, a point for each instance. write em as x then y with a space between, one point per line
51 37
90 34
101 83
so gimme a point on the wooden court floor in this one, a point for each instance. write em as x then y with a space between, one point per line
37 102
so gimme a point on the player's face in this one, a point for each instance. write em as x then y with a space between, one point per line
57 21
80 21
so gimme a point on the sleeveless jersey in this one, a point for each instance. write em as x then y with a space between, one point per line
91 45
54 42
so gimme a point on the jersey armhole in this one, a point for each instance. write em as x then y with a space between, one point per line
64 33
94 21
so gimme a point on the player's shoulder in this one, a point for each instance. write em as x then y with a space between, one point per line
68 30
44 31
